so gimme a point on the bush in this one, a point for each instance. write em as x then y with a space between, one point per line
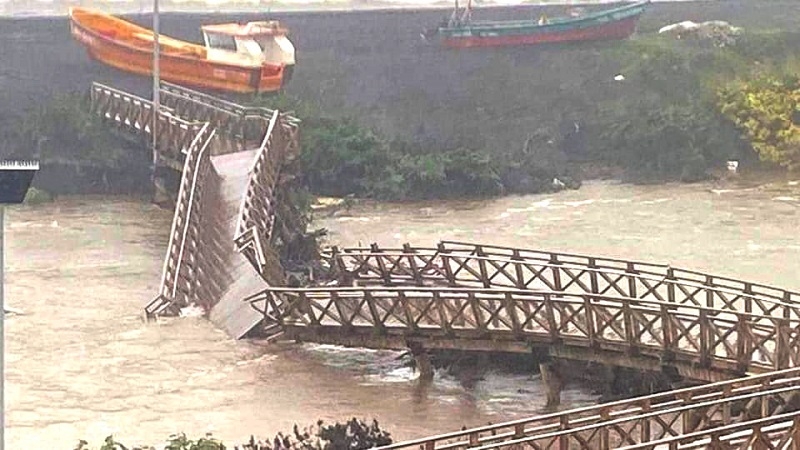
340 158
767 111
352 435
65 132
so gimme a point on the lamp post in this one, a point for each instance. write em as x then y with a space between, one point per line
15 179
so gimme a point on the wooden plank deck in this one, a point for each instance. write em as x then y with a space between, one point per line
239 280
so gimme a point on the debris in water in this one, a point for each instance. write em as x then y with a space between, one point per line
192 311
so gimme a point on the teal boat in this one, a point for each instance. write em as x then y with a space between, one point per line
460 31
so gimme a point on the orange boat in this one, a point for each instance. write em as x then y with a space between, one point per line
242 58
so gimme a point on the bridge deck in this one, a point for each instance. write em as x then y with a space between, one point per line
467 296
231 314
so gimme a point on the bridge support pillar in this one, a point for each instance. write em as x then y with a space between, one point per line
423 362
161 195
553 382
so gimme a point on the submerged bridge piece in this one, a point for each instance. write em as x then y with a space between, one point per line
222 170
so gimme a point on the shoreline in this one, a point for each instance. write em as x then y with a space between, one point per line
756 180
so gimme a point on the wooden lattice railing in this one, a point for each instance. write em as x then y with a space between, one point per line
257 211
633 421
178 286
175 135
186 145
274 134
461 264
239 128
699 342
781 432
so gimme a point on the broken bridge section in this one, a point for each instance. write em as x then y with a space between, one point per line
469 297
230 159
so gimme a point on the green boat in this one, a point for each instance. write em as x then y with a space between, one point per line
460 31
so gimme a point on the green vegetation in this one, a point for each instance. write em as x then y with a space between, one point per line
683 108
531 124
664 124
78 152
340 157
351 435
767 110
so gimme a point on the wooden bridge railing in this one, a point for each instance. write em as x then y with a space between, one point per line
245 124
633 421
219 104
473 266
185 146
257 210
178 280
781 432
175 134
254 228
665 270
244 127
638 331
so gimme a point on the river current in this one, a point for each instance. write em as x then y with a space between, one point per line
81 363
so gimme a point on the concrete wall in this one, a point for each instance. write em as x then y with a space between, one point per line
374 63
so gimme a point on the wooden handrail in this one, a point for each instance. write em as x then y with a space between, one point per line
439 264
185 206
786 426
724 341
594 414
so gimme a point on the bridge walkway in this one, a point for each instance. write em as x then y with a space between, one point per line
633 422
227 155
466 296
240 279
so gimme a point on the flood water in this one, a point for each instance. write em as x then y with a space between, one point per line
82 364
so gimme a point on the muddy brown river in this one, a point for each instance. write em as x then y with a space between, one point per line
81 363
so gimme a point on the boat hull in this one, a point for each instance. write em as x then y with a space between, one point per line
609 25
610 31
187 70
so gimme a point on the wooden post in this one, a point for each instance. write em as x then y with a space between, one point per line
553 383
423 361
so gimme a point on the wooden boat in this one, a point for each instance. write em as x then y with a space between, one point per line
461 31
242 58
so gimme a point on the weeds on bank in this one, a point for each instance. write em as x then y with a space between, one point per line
352 435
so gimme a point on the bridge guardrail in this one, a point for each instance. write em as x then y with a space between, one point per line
175 135
469 267
770 433
177 288
631 422
688 337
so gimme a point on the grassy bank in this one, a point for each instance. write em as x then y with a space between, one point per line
651 109
388 117
78 153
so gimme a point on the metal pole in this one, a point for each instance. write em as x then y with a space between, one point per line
2 336
156 81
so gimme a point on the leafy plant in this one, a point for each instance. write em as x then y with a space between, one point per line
351 435
767 111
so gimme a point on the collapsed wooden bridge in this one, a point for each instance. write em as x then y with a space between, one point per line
740 336
230 159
